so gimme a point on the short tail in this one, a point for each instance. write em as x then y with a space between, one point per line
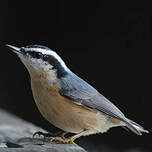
134 127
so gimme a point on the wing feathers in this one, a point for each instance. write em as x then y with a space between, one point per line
83 94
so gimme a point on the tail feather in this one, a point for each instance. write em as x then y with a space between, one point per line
134 127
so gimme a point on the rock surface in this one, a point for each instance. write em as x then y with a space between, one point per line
16 136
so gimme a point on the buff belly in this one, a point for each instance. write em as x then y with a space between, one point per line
66 115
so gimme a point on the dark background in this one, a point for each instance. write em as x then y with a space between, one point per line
107 43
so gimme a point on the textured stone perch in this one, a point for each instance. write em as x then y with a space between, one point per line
16 136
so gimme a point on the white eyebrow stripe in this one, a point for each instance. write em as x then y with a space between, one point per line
49 52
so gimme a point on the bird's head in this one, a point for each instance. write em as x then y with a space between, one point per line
41 59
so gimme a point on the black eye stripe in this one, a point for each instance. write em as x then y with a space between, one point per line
61 72
34 54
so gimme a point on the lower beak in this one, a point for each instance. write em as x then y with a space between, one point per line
15 49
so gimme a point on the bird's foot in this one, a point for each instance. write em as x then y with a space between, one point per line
60 140
49 135
62 134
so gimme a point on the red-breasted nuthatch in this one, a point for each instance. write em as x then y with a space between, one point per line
66 100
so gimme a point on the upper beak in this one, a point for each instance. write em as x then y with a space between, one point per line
15 49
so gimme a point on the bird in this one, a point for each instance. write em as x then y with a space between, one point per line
66 100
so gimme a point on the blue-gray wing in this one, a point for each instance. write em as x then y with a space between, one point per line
80 92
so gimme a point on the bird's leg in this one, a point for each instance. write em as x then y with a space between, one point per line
83 133
70 140
59 138
50 134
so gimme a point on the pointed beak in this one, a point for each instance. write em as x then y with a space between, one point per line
15 49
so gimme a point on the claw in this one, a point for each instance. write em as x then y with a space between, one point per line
57 140
60 140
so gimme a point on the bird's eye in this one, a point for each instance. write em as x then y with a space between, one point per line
34 54
39 55
44 57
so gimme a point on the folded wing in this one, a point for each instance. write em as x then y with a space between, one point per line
80 92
